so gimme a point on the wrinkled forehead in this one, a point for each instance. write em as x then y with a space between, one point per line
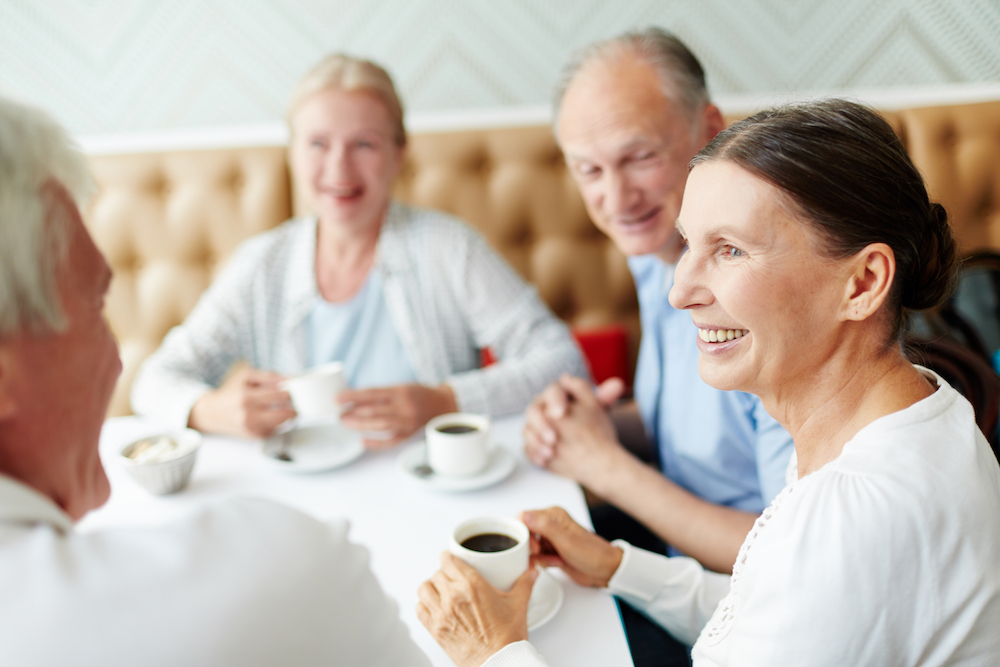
615 104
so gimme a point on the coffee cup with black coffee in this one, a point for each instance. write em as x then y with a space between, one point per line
458 444
497 547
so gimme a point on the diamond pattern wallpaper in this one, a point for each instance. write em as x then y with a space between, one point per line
109 66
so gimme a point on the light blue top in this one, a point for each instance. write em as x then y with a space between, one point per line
720 445
360 333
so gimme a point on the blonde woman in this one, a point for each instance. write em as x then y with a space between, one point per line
404 297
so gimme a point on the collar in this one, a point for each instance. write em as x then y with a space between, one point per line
391 256
19 503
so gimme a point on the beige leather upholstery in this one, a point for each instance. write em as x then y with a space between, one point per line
957 148
166 221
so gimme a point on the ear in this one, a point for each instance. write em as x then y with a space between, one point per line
869 281
712 122
8 393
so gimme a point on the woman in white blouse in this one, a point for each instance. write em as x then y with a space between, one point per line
404 297
810 234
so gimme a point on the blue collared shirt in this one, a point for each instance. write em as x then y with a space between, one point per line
719 445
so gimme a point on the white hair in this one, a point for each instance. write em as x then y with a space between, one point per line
682 78
34 152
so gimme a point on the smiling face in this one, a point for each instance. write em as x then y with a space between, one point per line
62 382
344 157
627 146
755 269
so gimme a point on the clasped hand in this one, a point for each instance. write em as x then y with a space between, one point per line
568 430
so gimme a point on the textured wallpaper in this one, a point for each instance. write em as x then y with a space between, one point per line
106 66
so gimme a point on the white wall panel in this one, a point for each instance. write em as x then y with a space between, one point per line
110 66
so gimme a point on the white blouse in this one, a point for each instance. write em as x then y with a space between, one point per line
888 555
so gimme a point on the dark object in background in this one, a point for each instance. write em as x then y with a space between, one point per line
960 340
967 372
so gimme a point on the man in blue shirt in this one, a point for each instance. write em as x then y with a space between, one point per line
631 113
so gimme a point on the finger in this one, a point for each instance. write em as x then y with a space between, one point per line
374 396
379 444
457 569
268 398
521 590
549 560
610 391
257 378
538 424
538 452
423 614
382 425
556 401
578 390
428 594
553 524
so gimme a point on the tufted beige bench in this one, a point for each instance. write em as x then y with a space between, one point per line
166 221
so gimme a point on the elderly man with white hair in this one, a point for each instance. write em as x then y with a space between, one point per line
247 582
631 112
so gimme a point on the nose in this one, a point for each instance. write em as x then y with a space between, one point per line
337 166
689 289
619 195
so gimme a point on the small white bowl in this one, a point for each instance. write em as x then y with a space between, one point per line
169 474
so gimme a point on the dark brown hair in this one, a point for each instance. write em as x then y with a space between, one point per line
847 172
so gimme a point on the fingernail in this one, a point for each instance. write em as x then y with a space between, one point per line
549 436
527 516
534 573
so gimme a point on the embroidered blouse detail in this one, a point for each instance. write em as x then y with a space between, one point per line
724 616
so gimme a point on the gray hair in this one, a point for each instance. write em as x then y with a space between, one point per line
34 151
339 71
682 76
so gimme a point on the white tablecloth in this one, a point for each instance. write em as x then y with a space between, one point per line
404 525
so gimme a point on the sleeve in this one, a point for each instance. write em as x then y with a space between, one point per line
533 348
677 593
195 356
518 654
774 447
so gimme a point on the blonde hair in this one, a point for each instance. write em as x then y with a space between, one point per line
339 71
34 151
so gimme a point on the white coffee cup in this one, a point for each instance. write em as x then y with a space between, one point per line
464 451
314 392
500 568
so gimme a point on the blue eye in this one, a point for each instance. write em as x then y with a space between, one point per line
734 252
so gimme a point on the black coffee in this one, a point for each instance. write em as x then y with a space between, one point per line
456 428
489 542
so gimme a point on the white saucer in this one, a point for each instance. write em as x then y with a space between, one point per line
316 448
546 600
502 464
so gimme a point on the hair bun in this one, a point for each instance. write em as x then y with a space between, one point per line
936 270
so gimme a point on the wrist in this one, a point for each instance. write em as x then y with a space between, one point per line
611 472
446 399
613 561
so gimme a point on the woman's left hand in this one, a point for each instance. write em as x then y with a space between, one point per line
398 412
467 616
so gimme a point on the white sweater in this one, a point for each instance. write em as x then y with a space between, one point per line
888 555
247 582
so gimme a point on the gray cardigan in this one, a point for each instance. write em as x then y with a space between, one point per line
449 293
